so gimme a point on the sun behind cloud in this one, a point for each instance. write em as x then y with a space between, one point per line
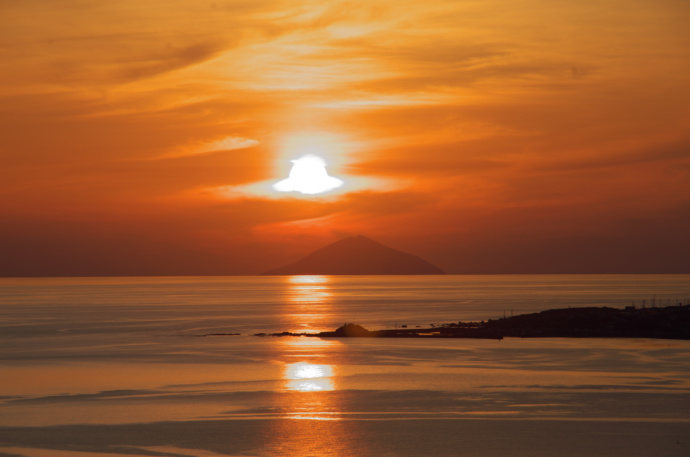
308 176
314 165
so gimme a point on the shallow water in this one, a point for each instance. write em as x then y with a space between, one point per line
114 366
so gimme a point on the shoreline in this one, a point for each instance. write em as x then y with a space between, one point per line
671 322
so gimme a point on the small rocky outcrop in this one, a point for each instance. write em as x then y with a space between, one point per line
352 330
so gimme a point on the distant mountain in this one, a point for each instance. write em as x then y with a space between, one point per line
358 255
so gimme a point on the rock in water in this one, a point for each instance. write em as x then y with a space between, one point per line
352 330
358 255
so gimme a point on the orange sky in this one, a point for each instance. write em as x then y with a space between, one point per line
493 136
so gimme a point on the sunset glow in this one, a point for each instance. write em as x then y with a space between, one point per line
486 137
340 228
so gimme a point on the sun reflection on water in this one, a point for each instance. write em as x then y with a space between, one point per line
311 404
308 289
308 302
309 377
313 347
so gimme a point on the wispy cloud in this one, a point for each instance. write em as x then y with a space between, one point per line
229 143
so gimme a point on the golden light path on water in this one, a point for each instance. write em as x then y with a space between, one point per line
310 405
309 377
309 301
309 297
308 289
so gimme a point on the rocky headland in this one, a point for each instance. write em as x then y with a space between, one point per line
672 322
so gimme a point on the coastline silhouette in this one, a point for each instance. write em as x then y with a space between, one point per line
672 322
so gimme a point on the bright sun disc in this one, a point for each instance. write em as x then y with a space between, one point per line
308 176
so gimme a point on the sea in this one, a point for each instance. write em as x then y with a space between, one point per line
172 366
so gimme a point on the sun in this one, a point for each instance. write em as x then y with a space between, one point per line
308 176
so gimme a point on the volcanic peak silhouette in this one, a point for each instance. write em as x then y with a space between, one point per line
358 255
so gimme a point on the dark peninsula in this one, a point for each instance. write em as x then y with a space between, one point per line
358 255
672 322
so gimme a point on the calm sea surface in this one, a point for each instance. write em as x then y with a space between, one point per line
120 366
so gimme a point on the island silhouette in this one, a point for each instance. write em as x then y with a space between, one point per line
358 255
